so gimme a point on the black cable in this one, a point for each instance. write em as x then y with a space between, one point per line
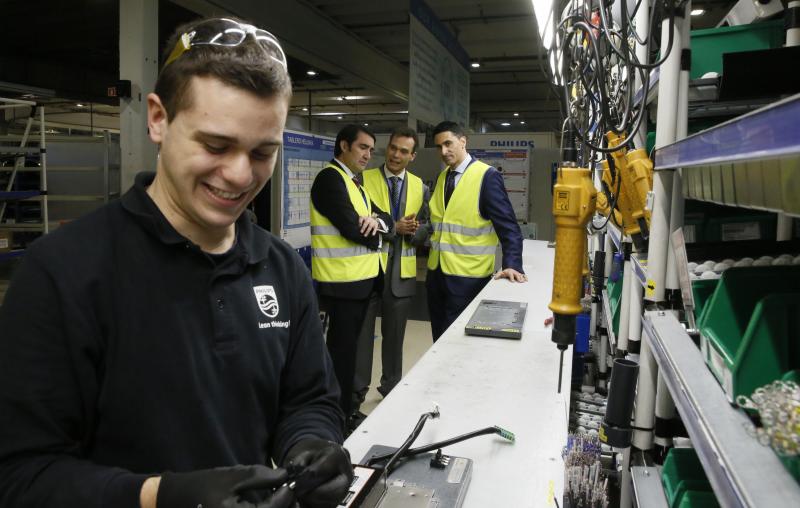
441 444
400 452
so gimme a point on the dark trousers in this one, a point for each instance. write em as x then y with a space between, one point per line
448 296
345 320
394 316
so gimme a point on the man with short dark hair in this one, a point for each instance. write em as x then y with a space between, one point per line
346 228
163 350
470 215
396 189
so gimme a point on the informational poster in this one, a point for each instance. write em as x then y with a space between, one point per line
304 155
438 74
515 167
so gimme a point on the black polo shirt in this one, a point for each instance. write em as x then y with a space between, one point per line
127 351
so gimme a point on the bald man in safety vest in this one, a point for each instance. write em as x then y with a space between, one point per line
470 215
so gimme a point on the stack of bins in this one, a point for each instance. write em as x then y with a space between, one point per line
750 331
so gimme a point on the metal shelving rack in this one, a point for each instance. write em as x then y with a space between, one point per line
20 151
742 472
752 161
647 487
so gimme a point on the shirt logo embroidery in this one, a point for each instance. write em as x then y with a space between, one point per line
267 300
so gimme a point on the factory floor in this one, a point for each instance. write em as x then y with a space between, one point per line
416 343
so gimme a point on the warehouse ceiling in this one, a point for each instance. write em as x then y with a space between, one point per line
358 48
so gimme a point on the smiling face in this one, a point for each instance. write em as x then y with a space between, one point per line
399 153
452 148
356 155
214 157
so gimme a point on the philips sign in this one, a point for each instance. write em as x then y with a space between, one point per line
512 143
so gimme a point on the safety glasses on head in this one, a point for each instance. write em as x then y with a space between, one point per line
226 33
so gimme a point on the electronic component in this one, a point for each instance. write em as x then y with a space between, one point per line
497 318
416 477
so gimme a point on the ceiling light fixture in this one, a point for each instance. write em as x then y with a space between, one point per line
79 105
516 114
305 109
543 10
522 122
698 12
505 124
311 72
366 124
475 65
339 117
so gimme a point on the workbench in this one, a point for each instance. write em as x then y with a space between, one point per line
479 382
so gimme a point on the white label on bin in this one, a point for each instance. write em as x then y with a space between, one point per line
3 243
740 231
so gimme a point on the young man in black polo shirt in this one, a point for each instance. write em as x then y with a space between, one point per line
163 350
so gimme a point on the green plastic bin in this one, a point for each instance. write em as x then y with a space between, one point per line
702 289
708 45
682 473
749 328
698 499
614 300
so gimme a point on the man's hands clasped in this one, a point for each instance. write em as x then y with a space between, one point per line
407 225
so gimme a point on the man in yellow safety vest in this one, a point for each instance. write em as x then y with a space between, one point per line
346 241
470 212
393 188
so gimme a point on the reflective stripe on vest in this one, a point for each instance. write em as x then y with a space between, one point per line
334 258
463 243
375 182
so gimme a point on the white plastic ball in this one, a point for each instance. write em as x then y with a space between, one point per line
721 267
701 269
692 266
709 275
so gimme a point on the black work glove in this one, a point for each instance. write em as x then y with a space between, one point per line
226 487
321 471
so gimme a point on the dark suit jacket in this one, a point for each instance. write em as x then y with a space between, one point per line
405 287
329 196
495 206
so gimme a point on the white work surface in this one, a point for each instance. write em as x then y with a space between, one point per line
479 382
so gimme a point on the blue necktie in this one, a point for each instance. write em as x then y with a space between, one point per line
358 184
396 187
449 185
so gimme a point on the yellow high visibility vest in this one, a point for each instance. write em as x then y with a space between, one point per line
463 243
334 258
375 182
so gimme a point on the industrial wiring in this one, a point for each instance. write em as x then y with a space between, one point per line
441 444
401 452
593 64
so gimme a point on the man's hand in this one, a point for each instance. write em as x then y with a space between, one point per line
407 225
368 226
321 471
512 275
225 487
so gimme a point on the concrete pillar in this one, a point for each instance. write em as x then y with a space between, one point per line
138 62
